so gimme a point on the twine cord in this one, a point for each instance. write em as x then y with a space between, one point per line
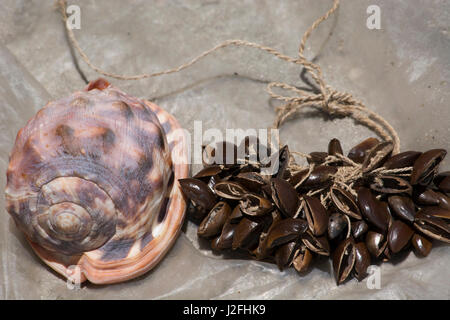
327 100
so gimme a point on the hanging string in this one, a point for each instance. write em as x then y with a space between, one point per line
328 99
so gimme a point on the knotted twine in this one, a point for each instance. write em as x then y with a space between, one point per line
328 100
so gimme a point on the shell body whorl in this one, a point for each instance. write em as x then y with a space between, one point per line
91 182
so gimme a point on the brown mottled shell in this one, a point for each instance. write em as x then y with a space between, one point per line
93 183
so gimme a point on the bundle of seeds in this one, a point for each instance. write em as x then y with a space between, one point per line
356 209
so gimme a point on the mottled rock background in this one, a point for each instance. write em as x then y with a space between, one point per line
401 71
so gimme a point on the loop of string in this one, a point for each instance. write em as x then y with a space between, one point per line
328 100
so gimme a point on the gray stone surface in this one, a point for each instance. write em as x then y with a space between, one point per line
401 71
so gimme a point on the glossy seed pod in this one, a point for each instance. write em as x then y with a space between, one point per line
284 254
284 158
284 196
360 151
302 259
425 196
387 254
444 201
334 147
376 243
246 233
434 222
422 245
359 229
230 190
377 156
371 209
252 181
345 202
362 261
262 251
284 231
402 160
200 194
426 166
336 225
208 172
212 224
344 260
93 182
236 215
320 177
225 239
316 215
442 181
317 157
319 245
402 207
254 205
391 185
399 235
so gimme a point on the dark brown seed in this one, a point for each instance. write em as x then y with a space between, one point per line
434 222
425 196
262 251
198 192
426 166
298 178
254 205
345 202
336 224
316 215
225 240
318 245
208 172
442 181
377 156
285 196
334 147
252 181
444 201
214 221
386 256
320 177
284 158
421 244
284 231
403 207
399 235
437 212
246 234
359 152
402 160
391 184
284 254
372 210
362 261
359 228
236 215
375 243
212 182
230 190
302 259
317 157
343 260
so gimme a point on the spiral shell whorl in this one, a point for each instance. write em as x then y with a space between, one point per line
87 169
73 215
